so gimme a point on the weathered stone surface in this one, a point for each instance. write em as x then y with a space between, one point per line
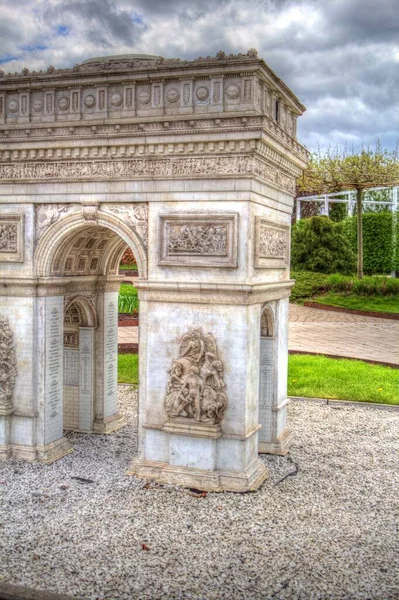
191 164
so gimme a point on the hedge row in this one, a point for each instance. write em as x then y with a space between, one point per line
378 241
319 244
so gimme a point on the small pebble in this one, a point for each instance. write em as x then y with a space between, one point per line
329 532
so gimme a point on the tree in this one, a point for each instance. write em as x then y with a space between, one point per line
336 171
320 245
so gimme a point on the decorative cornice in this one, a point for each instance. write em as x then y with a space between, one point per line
221 124
197 293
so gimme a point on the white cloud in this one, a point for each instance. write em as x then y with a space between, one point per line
341 58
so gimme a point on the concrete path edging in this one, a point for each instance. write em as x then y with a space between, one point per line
341 403
352 311
19 592
338 356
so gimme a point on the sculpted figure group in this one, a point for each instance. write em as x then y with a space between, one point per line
196 389
8 369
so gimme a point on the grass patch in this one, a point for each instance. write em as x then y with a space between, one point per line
316 377
378 293
388 304
128 368
128 301
342 379
131 267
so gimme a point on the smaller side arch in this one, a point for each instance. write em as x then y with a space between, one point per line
268 321
86 304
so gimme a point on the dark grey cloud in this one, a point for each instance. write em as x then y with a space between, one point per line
341 57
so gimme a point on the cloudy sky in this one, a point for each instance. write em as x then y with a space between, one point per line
340 57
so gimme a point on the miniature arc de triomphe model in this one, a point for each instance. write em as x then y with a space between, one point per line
191 164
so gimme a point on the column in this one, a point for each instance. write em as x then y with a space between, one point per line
51 444
86 378
274 437
107 417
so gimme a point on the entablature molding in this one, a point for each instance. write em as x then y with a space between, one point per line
95 131
213 293
57 286
126 151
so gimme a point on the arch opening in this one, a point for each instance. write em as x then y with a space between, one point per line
84 257
267 354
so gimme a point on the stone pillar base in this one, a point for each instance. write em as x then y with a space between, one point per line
279 446
209 481
5 452
51 452
109 424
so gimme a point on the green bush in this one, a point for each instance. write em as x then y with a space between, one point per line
320 245
338 211
307 284
378 248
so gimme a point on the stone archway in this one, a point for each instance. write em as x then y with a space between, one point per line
59 226
80 321
77 262
201 162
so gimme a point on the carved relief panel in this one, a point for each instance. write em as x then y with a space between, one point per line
196 388
272 244
8 366
206 240
11 238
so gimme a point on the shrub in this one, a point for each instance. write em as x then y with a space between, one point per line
319 244
338 211
307 284
367 286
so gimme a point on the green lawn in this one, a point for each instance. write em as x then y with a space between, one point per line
128 368
317 377
343 379
389 304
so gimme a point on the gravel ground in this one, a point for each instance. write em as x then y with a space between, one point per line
329 532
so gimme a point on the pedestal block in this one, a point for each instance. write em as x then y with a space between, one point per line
198 415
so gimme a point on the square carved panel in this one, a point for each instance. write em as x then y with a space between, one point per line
11 238
272 244
198 240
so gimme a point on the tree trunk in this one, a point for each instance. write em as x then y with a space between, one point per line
359 193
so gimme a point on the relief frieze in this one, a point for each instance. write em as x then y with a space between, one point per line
198 239
271 244
8 365
11 238
46 215
239 164
136 216
8 237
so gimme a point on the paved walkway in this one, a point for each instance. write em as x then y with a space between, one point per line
342 334
128 335
329 332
